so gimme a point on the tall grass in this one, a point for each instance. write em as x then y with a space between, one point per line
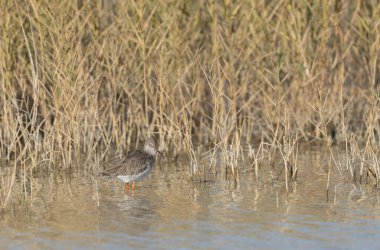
81 77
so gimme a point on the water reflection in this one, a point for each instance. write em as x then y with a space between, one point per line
168 210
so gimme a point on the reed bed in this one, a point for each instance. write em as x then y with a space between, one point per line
90 77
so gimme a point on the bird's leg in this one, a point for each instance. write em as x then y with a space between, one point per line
133 186
126 187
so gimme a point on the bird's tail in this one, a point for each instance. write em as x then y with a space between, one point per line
103 175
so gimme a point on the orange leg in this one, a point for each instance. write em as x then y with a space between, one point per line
133 186
126 187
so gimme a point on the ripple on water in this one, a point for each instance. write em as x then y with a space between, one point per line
169 211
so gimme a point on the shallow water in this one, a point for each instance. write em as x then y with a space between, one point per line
169 211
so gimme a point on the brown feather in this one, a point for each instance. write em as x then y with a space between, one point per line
132 164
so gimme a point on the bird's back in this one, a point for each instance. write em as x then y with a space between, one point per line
132 164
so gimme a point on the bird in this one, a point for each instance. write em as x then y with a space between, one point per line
134 166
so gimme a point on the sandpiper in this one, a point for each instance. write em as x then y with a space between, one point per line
135 166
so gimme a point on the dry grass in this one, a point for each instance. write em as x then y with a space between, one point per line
83 77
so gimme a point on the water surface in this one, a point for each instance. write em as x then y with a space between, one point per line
168 210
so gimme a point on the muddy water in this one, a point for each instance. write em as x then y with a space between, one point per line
169 211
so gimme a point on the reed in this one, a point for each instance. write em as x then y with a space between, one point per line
89 77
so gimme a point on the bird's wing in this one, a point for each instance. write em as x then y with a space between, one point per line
130 165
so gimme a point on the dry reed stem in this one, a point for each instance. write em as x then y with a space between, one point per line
90 78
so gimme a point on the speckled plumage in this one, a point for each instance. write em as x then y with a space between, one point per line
134 166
